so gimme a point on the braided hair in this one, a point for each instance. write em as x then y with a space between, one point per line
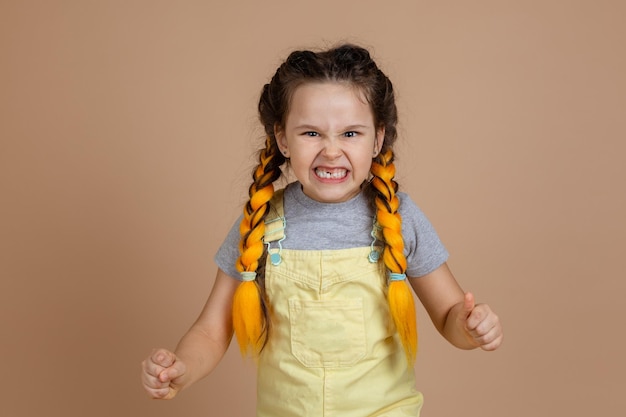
346 64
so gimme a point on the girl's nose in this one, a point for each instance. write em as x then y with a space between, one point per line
332 148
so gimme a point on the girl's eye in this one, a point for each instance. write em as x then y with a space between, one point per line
350 134
311 134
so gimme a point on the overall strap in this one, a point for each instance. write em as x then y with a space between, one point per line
275 220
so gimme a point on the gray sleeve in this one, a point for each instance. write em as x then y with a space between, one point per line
423 248
228 253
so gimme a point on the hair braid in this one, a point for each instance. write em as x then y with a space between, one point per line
250 319
353 65
400 298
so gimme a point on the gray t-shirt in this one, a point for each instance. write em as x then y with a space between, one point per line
311 225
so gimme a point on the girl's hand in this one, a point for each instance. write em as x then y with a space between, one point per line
161 373
481 325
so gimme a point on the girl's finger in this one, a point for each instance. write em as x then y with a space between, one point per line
160 394
487 325
151 368
163 357
493 344
150 381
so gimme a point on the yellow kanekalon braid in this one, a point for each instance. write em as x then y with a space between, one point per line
248 318
400 297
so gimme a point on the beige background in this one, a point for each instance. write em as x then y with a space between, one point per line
127 129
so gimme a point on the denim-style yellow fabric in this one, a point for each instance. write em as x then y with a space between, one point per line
333 348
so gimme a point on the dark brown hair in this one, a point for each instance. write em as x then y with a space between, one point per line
353 66
348 64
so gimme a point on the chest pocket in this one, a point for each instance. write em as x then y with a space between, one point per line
327 333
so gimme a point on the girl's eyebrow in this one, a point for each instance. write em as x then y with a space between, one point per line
306 126
350 127
356 127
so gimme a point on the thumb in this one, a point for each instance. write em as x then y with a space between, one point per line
468 304
173 372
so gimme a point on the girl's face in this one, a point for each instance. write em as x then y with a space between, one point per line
330 138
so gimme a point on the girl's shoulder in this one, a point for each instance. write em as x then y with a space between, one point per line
413 218
408 206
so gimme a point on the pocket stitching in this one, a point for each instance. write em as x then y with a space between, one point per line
308 348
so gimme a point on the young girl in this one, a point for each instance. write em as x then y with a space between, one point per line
313 279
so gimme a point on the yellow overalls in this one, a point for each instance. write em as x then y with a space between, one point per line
333 349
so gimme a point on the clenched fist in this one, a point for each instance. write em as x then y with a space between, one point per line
161 373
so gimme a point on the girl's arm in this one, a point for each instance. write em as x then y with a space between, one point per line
454 313
165 373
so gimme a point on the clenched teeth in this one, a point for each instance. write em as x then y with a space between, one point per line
334 174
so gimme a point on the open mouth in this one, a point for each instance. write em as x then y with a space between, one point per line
331 173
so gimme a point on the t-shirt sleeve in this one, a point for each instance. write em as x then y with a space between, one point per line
424 250
228 253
